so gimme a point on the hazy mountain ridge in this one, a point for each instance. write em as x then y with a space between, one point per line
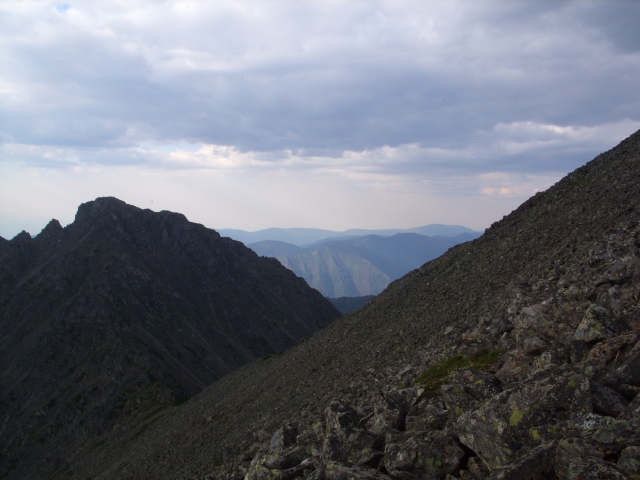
358 266
530 286
309 236
124 313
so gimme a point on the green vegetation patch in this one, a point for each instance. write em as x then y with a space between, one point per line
436 375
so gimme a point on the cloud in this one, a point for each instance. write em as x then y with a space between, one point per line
491 99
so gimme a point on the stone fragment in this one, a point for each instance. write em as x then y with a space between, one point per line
537 344
556 321
465 389
578 350
353 446
427 414
516 367
593 469
604 352
338 471
477 469
339 416
390 412
618 434
536 464
606 401
283 451
571 449
632 410
627 372
628 391
418 454
629 462
597 324
509 421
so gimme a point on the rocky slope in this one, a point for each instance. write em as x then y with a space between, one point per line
515 355
358 266
122 314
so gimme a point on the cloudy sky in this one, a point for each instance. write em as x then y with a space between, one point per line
328 114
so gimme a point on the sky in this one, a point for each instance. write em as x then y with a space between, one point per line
327 114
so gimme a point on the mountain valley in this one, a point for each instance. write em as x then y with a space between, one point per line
358 266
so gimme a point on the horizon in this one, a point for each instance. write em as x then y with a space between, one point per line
249 115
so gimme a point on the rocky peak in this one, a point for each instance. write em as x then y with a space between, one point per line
124 313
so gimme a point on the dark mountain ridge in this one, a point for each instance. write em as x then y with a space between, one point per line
560 396
123 313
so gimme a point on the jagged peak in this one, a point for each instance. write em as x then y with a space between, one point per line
23 236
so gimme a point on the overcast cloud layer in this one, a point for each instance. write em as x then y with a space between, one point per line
308 114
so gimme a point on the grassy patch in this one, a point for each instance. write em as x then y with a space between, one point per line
436 375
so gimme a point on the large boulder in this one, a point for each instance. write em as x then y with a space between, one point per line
511 420
416 455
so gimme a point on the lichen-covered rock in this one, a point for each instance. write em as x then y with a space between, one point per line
475 469
607 401
516 367
629 462
510 420
555 321
283 450
625 370
411 455
618 434
571 449
338 471
536 464
427 414
603 353
390 412
593 469
466 389
340 416
353 446
597 324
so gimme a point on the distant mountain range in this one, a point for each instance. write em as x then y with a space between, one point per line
359 266
308 236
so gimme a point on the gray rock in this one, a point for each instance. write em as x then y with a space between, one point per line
508 421
418 454
390 412
339 416
353 446
594 469
571 449
597 324
629 461
536 464
606 401
427 414
338 471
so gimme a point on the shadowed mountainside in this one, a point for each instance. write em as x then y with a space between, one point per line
530 288
124 313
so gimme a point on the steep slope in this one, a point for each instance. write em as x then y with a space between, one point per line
563 250
123 313
357 266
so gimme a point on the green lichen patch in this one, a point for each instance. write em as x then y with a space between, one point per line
436 375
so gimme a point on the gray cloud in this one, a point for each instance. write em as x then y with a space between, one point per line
320 79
